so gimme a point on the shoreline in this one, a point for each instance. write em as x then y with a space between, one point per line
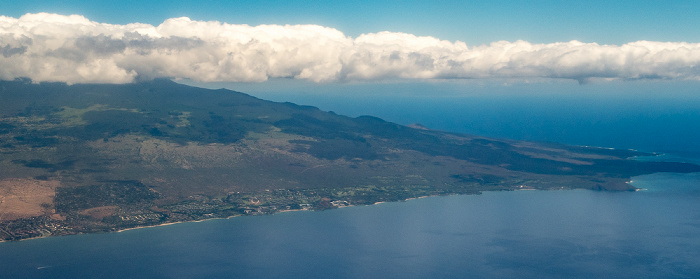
214 218
150 226
272 213
277 212
243 215
203 220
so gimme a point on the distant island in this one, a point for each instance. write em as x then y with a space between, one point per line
91 158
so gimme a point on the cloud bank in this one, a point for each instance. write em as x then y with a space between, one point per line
73 49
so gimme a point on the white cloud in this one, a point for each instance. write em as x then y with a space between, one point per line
50 47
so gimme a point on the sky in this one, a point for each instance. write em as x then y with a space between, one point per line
353 41
473 22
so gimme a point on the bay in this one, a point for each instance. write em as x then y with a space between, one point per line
524 234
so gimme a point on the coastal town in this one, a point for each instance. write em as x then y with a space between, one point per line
110 218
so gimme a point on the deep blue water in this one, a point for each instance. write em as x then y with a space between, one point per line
650 116
525 234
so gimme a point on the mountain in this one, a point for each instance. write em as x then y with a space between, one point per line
94 157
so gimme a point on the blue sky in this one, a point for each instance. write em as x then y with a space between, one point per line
474 22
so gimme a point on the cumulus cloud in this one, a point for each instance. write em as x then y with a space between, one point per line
51 47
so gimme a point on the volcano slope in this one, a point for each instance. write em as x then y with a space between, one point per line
93 158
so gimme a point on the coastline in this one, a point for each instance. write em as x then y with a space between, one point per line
153 226
215 241
243 215
320 209
277 212
222 218
284 210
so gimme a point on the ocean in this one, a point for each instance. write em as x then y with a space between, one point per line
653 233
523 234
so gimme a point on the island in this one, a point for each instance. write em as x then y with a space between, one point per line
87 158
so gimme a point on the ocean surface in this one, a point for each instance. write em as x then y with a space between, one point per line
523 234
653 233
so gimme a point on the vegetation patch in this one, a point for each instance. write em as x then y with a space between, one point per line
70 199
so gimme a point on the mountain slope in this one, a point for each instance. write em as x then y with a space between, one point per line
82 158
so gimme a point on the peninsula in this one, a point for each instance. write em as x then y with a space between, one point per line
90 158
